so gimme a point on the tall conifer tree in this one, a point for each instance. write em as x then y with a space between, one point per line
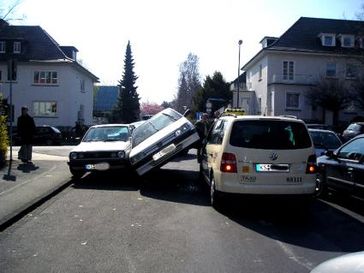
127 109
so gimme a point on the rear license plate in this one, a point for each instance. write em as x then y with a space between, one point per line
164 152
283 168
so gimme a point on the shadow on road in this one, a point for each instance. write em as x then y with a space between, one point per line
319 226
175 186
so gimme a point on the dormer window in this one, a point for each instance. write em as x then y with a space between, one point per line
17 47
327 39
2 47
346 40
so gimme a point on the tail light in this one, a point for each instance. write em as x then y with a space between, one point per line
228 163
311 167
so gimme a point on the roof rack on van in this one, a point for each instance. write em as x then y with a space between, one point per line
288 116
233 112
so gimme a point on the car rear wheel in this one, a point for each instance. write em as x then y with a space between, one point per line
215 195
77 173
321 187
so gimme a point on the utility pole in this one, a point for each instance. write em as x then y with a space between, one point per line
238 90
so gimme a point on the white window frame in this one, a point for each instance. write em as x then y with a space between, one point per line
2 47
45 77
343 37
327 66
17 47
289 106
45 108
288 70
323 37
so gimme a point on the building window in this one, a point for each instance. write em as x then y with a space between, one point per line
260 72
17 47
288 70
331 70
2 47
292 100
351 71
327 39
347 40
45 77
45 108
82 85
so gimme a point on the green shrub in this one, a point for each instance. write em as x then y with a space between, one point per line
4 139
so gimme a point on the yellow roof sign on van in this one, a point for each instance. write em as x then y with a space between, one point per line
234 112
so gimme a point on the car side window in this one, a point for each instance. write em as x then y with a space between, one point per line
353 150
216 135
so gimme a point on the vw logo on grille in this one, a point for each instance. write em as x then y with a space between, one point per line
273 156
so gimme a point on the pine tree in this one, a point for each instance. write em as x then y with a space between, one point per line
127 109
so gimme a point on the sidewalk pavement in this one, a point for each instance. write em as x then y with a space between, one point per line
26 184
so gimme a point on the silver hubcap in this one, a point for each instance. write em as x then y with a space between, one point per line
212 191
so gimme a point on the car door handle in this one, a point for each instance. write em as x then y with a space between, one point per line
350 170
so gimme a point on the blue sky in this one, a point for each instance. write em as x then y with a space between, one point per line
163 32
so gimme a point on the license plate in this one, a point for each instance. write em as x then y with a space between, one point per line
272 168
98 166
164 152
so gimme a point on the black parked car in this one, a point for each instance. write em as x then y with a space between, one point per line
343 169
353 130
44 135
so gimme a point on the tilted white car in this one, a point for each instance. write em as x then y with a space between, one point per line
159 138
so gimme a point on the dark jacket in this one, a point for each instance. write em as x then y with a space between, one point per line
26 129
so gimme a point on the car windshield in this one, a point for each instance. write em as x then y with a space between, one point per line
270 134
111 133
154 124
325 140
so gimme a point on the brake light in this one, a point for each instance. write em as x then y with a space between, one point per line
228 163
311 167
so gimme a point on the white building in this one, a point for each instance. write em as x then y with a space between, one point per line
47 77
280 75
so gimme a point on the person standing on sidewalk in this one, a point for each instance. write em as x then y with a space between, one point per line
202 128
26 130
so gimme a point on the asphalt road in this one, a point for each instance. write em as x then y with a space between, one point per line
163 223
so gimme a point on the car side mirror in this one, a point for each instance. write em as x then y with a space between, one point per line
330 154
187 112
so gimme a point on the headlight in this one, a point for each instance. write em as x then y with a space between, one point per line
121 154
73 155
184 128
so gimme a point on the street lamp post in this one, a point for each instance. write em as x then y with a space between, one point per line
237 97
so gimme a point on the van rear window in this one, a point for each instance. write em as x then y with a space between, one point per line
270 134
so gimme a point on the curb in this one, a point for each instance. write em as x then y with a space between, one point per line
31 192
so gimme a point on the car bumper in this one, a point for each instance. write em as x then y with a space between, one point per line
92 165
229 184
